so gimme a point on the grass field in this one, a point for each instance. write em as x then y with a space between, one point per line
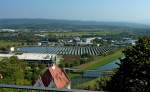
8 43
89 83
93 84
101 60
1 58
73 75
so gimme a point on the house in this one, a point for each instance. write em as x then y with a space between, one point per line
89 40
54 77
77 39
43 43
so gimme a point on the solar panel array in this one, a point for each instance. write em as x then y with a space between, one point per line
68 50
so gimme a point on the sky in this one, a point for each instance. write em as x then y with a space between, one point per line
96 10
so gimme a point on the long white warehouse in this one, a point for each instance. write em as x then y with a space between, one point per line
34 57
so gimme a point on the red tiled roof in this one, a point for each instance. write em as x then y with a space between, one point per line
57 75
46 78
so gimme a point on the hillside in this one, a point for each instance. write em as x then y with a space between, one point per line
27 22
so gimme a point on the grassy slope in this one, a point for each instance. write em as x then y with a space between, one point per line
101 60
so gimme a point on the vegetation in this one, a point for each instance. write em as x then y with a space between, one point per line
96 84
91 62
6 44
134 72
18 72
81 34
72 61
101 60
1 58
13 71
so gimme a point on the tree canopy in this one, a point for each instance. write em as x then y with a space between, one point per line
134 72
13 71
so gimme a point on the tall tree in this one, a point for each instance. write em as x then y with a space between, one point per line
134 72
13 71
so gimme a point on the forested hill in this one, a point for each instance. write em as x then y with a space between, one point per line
51 24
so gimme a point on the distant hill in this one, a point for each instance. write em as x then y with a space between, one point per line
51 23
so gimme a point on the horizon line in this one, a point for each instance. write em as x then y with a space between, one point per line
117 21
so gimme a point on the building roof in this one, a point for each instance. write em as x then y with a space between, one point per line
31 56
55 75
59 76
36 56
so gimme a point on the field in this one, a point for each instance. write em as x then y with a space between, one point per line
1 58
93 84
8 43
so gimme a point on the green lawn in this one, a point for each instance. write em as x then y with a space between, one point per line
86 84
101 60
8 43
92 84
73 75
1 58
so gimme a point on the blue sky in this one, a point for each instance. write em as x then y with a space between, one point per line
99 10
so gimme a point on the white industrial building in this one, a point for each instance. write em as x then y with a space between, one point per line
35 57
